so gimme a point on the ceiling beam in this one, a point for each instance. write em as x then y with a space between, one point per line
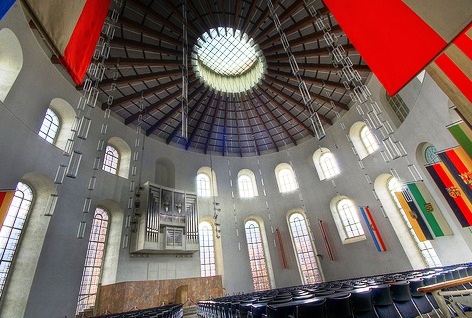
224 130
118 61
204 27
132 25
199 122
309 80
307 53
315 66
296 90
236 14
271 114
247 19
174 110
265 14
262 122
137 78
178 12
144 46
241 101
237 129
286 14
190 115
278 105
296 103
218 103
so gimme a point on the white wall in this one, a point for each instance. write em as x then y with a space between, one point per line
56 281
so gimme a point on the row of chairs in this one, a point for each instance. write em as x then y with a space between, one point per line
168 311
383 296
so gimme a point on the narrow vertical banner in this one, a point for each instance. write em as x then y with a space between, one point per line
451 191
374 232
5 200
463 134
414 217
325 238
459 164
429 209
281 246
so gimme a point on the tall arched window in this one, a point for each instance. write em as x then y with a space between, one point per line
11 61
325 163
427 250
93 261
368 140
398 106
286 178
203 185
11 229
304 250
247 184
207 249
257 257
111 160
347 220
50 126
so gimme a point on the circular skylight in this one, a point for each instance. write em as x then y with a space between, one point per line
227 60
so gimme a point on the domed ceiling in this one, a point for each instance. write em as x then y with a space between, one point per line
243 98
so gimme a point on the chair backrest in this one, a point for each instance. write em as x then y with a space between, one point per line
315 307
361 300
400 291
339 306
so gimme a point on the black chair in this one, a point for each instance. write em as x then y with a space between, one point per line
312 308
420 299
383 302
362 306
339 306
402 299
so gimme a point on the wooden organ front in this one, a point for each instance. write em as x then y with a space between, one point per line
166 221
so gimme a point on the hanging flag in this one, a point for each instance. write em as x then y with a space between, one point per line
73 27
450 189
413 215
463 134
5 5
452 72
374 232
429 209
5 200
399 38
459 164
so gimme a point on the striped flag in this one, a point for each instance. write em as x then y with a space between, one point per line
459 165
463 134
450 189
452 72
5 200
73 27
374 232
399 38
413 215
429 209
5 5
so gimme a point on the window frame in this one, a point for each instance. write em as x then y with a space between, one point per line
329 165
368 139
258 260
205 191
109 164
51 123
287 183
343 221
206 237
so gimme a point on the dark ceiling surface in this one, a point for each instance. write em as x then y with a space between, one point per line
146 66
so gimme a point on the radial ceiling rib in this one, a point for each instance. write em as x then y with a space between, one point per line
271 114
265 14
215 113
224 130
118 61
200 120
153 107
236 14
323 51
295 89
282 17
132 25
178 11
175 109
140 77
146 92
243 106
296 103
315 67
247 18
145 46
278 105
251 103
237 129
308 80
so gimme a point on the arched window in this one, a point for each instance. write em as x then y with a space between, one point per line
347 220
368 140
257 257
207 250
426 249
398 106
304 250
325 163
12 228
247 184
93 261
111 160
285 178
11 61
430 155
50 126
203 185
